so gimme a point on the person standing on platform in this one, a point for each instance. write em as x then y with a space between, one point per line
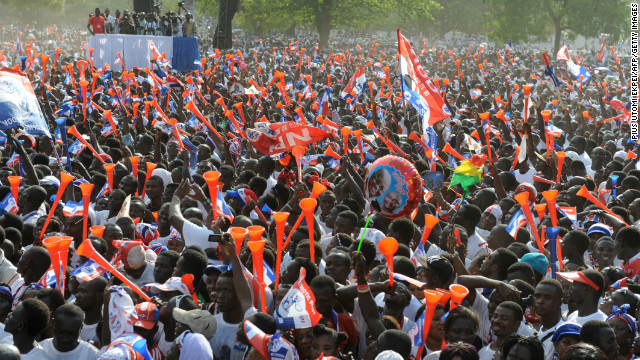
189 28
96 23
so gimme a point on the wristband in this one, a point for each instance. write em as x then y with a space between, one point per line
363 288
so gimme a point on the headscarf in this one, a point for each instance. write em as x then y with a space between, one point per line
620 312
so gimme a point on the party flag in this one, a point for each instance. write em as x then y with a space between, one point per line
297 310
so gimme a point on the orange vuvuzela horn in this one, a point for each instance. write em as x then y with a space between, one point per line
65 179
388 247
86 249
587 195
257 252
15 181
238 234
212 178
281 222
432 298
73 131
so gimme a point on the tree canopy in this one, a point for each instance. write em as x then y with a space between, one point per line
519 20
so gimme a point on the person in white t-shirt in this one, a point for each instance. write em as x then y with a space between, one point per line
547 299
505 321
89 298
586 289
28 319
235 304
66 343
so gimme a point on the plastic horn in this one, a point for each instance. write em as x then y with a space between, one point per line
586 115
65 179
97 230
83 87
65 242
358 135
552 234
86 198
238 234
45 59
298 152
449 150
192 107
109 169
388 247
550 197
212 178
257 252
432 298
545 116
281 222
73 131
15 181
561 155
587 195
107 114
318 189
614 183
150 167
93 82
430 222
220 102
527 91
333 154
542 180
485 117
458 293
308 206
446 295
581 81
187 279
301 115
52 244
523 199
345 131
55 59
86 249
91 57
240 111
540 210
229 114
134 165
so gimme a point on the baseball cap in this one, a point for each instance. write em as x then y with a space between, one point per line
50 180
437 265
538 262
587 277
173 284
599 228
199 321
215 268
269 346
528 188
146 315
568 328
243 195
133 254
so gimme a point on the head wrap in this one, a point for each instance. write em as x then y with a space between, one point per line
620 312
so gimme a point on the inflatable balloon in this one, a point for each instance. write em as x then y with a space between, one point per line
393 186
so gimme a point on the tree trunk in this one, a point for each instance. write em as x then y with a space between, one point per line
323 21
557 37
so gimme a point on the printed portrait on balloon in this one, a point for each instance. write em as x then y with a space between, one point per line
394 187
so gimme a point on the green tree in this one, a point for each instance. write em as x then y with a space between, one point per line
522 19
326 15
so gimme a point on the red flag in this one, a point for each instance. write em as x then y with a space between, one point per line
601 52
421 84
273 138
563 54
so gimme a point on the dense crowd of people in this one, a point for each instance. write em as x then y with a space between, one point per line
160 266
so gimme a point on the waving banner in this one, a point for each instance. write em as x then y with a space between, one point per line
19 105
275 138
416 78
297 310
